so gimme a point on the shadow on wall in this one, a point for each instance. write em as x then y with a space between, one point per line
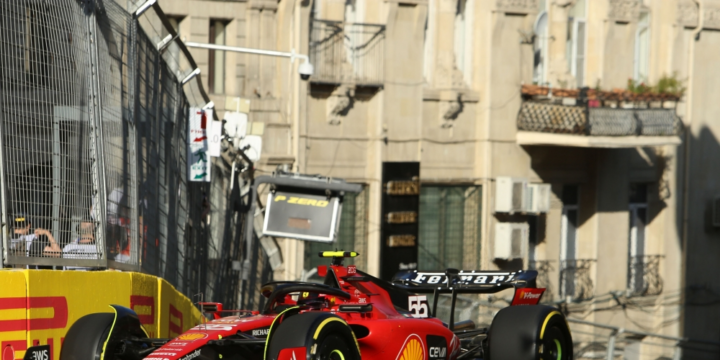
702 293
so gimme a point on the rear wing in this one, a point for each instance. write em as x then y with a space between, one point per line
463 281
454 282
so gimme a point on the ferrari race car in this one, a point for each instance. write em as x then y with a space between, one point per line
351 316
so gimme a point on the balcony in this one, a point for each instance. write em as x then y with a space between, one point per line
596 119
644 275
347 53
575 281
544 267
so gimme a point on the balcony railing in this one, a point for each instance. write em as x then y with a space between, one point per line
644 275
597 121
575 281
544 267
347 52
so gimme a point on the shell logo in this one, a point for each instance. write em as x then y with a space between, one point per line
412 350
192 336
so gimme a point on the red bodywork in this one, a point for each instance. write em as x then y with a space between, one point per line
382 332
390 334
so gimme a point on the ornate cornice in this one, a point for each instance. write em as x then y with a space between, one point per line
687 14
624 10
517 6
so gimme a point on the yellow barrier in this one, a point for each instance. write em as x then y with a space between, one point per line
37 307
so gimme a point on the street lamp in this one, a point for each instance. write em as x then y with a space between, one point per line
305 69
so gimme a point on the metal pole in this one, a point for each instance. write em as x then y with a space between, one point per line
678 352
96 133
4 228
611 344
292 55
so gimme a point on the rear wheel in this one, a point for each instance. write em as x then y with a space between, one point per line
534 332
86 337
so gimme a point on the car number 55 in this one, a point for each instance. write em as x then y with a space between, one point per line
418 306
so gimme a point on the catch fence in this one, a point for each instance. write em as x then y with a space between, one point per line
93 133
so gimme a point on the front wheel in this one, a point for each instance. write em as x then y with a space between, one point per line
314 336
85 339
535 332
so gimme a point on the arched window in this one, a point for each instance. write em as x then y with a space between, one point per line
540 59
642 48
463 38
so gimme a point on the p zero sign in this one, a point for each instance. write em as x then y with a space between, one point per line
399 229
302 216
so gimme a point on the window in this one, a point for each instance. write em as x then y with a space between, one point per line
568 243
463 38
636 245
575 50
429 55
642 48
36 53
216 60
540 51
449 227
352 235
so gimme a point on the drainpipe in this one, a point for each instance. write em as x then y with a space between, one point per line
688 137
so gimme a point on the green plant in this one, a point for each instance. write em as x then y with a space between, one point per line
667 84
670 85
638 87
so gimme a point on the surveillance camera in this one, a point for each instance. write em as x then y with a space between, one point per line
306 70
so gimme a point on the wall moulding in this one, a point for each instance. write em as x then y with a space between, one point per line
450 95
624 10
408 2
687 14
517 6
263 4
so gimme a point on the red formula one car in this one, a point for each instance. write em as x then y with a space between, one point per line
351 316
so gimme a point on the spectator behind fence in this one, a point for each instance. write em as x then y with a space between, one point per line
23 243
83 247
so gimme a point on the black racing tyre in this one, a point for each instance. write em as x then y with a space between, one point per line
324 336
535 332
85 339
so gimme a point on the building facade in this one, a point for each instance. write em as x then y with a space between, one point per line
461 86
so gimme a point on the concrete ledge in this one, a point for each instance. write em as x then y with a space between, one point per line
613 142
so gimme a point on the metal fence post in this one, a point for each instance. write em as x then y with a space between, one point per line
4 228
96 151
678 352
137 232
611 343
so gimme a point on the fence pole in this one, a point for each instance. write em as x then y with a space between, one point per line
611 344
4 219
97 156
678 352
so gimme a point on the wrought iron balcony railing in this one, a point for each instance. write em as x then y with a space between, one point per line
347 52
575 281
644 275
597 121
543 267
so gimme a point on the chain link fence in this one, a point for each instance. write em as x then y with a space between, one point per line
93 134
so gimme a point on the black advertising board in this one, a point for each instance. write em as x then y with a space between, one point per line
301 216
400 206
